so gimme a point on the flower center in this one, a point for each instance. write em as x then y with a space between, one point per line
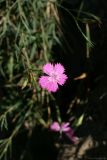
53 77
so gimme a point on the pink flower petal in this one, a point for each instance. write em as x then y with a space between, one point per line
52 86
45 83
59 68
48 68
65 127
62 79
55 127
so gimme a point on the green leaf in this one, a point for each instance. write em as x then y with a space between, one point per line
78 122
10 66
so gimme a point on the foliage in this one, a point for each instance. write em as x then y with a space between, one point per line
27 34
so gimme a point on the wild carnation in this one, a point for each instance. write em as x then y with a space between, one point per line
64 128
55 75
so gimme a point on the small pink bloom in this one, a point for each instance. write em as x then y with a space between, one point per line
54 75
55 127
65 128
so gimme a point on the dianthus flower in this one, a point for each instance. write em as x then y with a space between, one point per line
64 128
54 76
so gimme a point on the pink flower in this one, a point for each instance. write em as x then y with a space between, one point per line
65 128
54 76
55 126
